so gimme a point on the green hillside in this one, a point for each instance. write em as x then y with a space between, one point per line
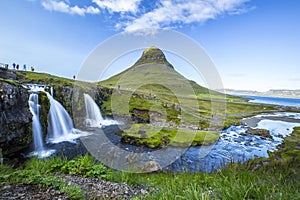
156 75
152 84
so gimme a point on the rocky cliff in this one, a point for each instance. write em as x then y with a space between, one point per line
15 116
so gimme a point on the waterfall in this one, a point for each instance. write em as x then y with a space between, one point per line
37 134
93 113
39 150
60 124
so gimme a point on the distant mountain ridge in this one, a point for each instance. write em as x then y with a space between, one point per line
273 93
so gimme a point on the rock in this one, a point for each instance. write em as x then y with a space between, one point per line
263 133
140 116
151 166
153 55
15 118
7 74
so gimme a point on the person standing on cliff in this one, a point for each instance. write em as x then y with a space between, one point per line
24 67
17 67
14 65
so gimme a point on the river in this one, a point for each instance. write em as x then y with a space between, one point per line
234 145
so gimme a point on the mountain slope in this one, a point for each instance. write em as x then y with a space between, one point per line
156 74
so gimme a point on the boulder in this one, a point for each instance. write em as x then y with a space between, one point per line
151 166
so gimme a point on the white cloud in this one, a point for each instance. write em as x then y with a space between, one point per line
174 12
61 6
132 15
116 6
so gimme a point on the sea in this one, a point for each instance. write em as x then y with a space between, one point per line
274 100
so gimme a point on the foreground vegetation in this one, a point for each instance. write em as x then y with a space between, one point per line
42 172
157 137
276 177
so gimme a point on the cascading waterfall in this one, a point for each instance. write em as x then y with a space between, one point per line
93 113
39 150
36 125
60 125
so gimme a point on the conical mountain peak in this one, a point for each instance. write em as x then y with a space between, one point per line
153 55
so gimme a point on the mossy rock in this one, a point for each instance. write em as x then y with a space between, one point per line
44 111
263 133
158 137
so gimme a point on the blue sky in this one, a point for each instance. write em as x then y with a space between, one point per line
255 44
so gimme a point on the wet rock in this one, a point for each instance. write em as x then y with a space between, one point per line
263 133
15 118
151 166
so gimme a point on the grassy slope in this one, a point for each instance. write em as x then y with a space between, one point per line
149 85
44 78
196 110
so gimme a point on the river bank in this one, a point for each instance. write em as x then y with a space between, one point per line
276 177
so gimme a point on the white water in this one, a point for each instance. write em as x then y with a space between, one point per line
37 134
36 125
236 145
93 114
60 125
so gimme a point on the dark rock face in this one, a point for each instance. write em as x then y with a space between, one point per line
44 112
71 97
15 118
7 74
140 116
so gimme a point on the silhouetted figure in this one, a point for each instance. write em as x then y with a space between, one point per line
74 77
32 68
24 67
17 67
119 89
14 65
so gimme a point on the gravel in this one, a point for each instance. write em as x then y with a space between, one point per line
93 188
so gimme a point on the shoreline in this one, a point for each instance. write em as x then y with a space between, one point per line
253 121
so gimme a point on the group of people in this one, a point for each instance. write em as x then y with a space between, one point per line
17 67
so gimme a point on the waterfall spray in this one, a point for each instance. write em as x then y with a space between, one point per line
37 134
60 126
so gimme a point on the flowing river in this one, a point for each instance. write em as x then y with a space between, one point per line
235 145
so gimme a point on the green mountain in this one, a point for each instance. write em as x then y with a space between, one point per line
153 73
152 87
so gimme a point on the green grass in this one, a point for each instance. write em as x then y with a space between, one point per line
159 80
156 137
276 177
10 81
48 79
41 172
35 177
